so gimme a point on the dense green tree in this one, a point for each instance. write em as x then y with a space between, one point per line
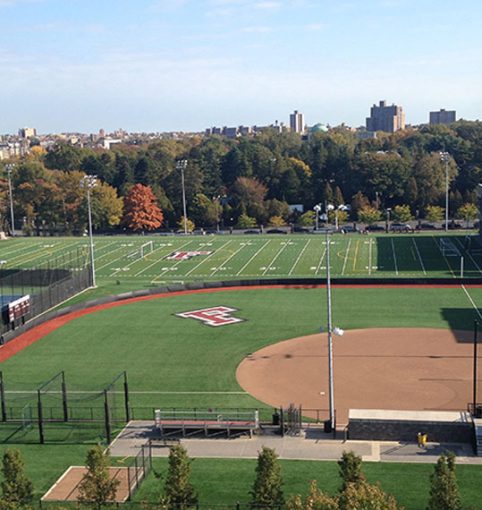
468 212
63 157
17 489
369 215
267 491
444 492
97 487
178 491
250 194
350 469
434 213
365 496
401 213
245 221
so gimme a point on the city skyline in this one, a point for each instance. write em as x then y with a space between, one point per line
184 65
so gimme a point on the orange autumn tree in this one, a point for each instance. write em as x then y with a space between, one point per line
140 209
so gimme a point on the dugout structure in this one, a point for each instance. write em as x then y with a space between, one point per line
54 413
27 293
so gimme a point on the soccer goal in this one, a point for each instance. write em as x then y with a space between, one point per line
144 250
27 417
448 248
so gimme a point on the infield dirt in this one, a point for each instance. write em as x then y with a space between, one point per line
386 368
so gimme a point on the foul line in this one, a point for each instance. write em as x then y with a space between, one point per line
472 301
346 257
394 256
419 257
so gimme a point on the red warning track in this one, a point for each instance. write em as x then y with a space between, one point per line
29 337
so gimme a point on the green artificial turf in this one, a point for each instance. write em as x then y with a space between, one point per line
227 481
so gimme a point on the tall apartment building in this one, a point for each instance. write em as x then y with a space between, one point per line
297 122
385 118
27 132
443 117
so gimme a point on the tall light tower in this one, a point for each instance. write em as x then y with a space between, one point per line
182 165
317 209
445 157
9 167
89 182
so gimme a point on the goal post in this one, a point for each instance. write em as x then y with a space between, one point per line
146 249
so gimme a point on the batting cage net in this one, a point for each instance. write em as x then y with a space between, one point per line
54 413
27 292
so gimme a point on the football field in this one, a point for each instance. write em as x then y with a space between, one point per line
156 260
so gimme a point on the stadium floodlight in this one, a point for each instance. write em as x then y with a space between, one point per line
89 182
445 157
317 209
182 165
9 167
341 207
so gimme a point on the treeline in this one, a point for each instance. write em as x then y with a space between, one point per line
251 181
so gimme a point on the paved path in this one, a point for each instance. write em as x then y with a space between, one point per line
312 444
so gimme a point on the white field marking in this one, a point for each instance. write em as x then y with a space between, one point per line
346 257
108 263
299 256
106 254
275 257
255 255
370 257
419 256
469 254
222 266
321 261
394 256
442 253
121 392
23 248
472 301
158 260
45 252
208 257
173 267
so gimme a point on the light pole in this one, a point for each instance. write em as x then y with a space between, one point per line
317 209
182 165
88 182
331 330
445 156
389 210
9 169
474 390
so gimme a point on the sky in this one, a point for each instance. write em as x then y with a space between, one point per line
185 65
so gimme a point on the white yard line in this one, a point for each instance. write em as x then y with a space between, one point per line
253 257
321 260
159 260
228 259
394 256
346 257
299 256
370 256
419 256
445 258
469 254
204 260
472 301
275 257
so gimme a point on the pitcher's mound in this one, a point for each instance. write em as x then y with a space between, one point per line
389 368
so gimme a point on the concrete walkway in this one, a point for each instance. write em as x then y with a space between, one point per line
312 444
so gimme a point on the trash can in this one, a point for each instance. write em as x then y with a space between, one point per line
327 426
275 418
478 411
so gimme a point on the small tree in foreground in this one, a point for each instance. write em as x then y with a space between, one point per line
467 212
17 489
267 489
444 492
350 469
434 213
245 221
316 500
97 488
190 226
401 213
365 496
369 215
178 491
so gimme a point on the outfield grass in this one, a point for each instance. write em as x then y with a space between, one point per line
225 481
120 267
165 354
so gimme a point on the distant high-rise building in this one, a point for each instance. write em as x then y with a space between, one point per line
386 118
297 122
27 132
442 117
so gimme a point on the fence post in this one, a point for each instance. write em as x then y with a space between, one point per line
2 397
40 418
107 417
126 398
64 398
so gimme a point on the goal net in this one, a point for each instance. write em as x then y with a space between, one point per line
448 248
144 250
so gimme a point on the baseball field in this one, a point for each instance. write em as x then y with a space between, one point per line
182 362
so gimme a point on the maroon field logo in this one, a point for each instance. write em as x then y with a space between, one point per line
215 316
186 255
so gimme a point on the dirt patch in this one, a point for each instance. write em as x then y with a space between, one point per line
66 488
386 368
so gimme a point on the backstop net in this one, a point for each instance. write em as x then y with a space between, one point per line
53 413
27 292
